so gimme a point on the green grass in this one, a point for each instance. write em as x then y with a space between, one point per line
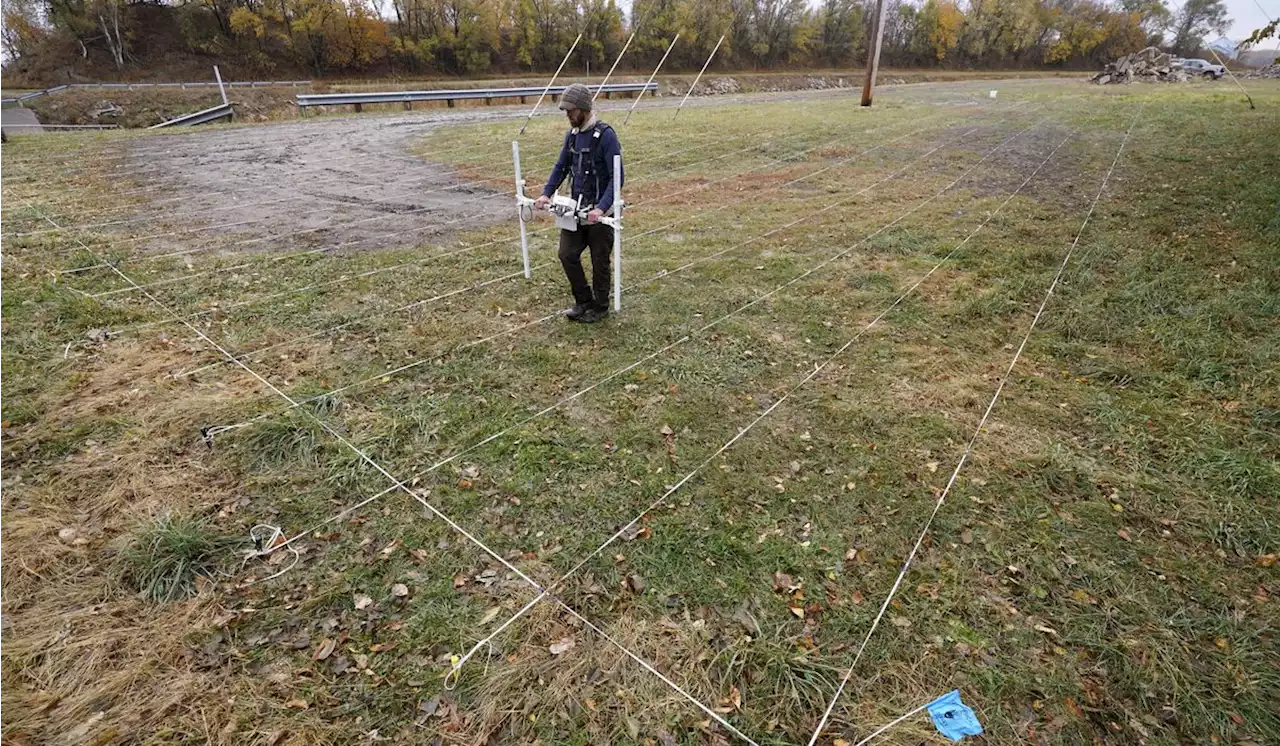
1103 569
163 561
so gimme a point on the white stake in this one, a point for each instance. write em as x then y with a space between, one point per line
615 66
700 72
221 90
650 80
617 233
521 201
1233 78
553 82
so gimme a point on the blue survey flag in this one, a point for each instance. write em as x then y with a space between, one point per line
953 718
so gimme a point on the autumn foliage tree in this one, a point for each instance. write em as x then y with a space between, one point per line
476 37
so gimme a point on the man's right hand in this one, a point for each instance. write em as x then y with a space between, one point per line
541 202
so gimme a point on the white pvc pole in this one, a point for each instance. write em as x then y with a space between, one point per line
221 90
651 77
524 233
615 66
700 72
551 83
617 233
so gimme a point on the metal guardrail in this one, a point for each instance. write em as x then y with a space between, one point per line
132 86
450 96
200 117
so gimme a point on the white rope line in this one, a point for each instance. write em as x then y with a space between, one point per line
893 724
387 374
964 457
41 172
316 165
408 192
819 96
572 397
514 275
812 374
215 246
701 214
399 485
254 353
330 225
257 188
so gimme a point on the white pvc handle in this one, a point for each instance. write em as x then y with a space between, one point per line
521 200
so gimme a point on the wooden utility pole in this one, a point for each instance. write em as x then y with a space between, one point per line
873 54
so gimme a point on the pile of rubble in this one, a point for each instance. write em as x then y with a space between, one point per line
1270 71
1148 66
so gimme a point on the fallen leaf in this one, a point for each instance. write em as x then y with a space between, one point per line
430 706
901 622
840 742
633 728
297 704
1236 718
783 583
400 590
389 549
1046 630
636 584
666 430
363 602
1123 535
325 650
798 611
851 555
857 597
490 615
562 646
932 466
966 536
459 581
1073 707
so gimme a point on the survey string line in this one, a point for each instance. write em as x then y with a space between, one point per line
469 449
386 375
973 439
214 246
363 456
409 191
321 165
491 438
347 224
346 278
648 232
816 370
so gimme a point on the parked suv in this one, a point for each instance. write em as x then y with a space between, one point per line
1200 67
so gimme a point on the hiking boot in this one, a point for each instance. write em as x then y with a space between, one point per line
577 312
592 315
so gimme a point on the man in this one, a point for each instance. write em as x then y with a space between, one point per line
587 155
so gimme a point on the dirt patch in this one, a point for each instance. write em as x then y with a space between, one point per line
349 184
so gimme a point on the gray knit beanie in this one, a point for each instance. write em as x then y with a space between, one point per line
576 96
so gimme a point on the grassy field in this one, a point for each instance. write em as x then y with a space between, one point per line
720 483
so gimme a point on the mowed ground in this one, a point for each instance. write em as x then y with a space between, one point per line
696 511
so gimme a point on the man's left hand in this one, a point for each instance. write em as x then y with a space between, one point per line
594 216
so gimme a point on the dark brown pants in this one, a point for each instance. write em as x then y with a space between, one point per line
599 238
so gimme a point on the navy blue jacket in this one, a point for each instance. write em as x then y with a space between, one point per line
588 156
